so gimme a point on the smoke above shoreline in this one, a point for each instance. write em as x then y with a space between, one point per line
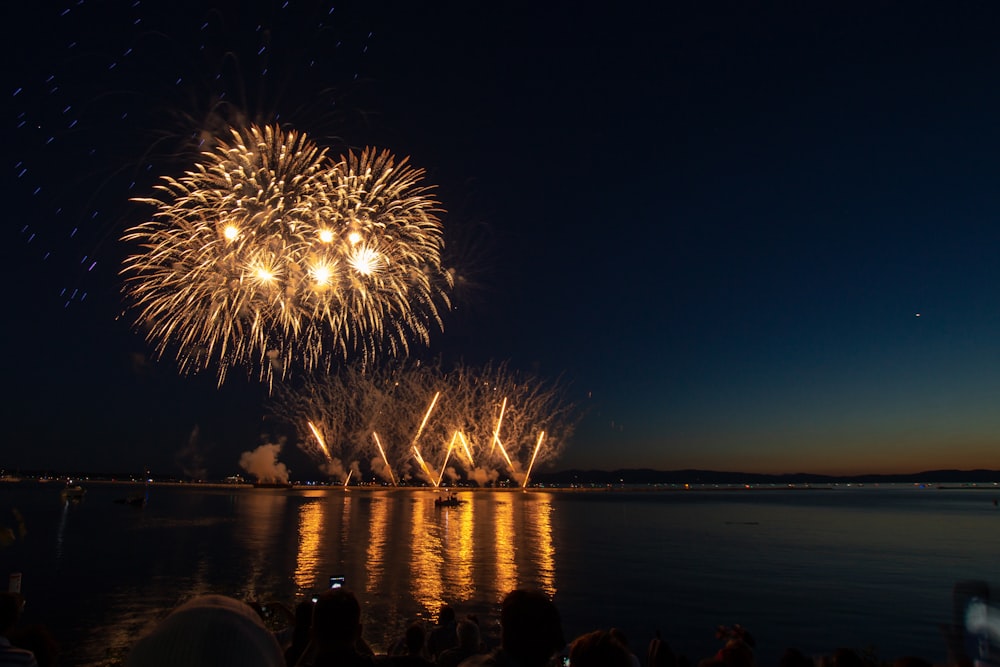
262 463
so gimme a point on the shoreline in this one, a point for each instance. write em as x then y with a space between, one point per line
540 488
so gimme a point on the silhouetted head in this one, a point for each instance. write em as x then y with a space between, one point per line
468 634
531 628
208 630
736 654
660 654
619 635
415 638
336 617
446 615
303 622
599 649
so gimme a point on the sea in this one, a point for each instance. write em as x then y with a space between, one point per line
883 569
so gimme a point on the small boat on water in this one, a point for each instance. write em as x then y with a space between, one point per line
448 501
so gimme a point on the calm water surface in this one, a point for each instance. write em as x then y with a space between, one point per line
815 569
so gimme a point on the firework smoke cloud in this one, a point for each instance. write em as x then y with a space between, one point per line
262 463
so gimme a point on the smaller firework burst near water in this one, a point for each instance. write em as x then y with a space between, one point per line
424 425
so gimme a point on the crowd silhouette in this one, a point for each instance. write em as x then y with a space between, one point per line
327 631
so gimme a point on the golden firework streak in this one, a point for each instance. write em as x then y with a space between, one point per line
496 429
348 478
465 445
541 436
496 439
319 439
423 464
444 465
381 451
427 415
416 450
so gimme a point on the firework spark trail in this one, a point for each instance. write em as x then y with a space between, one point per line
496 437
348 478
420 430
541 436
267 254
319 439
496 430
420 418
423 464
381 451
427 416
444 466
465 446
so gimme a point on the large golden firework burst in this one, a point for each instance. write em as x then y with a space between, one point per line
270 255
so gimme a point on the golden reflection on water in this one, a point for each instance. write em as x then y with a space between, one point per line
308 556
399 546
545 552
345 522
403 555
381 516
426 555
489 545
459 534
503 541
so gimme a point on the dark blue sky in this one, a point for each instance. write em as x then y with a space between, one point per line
718 221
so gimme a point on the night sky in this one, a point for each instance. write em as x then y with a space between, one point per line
742 237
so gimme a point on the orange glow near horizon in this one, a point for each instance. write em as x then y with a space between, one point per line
869 457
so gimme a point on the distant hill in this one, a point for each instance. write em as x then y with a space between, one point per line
649 476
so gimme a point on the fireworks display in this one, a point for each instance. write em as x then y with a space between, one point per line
423 425
247 246
268 254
